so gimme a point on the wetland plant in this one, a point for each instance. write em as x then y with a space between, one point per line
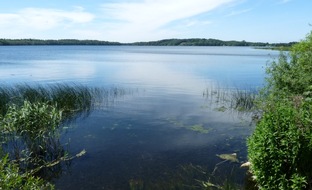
240 100
30 134
243 100
11 177
72 99
30 141
30 124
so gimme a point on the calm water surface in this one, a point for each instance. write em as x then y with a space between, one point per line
145 137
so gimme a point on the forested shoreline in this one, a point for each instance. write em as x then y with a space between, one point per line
165 42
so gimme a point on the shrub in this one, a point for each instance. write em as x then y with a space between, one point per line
280 148
291 73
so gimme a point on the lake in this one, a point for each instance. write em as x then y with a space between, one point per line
164 130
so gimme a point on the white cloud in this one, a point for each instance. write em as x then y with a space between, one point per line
149 16
44 19
238 12
124 21
194 22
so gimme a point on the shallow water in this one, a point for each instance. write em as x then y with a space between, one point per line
146 136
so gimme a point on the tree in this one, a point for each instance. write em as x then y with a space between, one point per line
292 72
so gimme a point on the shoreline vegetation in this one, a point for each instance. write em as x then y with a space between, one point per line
280 148
165 42
32 119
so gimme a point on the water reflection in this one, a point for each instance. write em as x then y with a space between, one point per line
146 140
192 66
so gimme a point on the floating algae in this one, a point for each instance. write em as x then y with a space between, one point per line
229 157
199 128
221 109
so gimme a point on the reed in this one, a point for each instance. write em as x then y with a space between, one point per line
72 99
31 117
237 99
243 100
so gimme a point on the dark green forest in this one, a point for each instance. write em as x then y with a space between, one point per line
15 42
166 42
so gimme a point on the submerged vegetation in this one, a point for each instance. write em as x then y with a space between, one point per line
199 129
280 149
189 177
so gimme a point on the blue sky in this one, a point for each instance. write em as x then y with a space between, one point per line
147 20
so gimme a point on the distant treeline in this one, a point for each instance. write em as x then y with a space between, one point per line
12 42
209 42
166 42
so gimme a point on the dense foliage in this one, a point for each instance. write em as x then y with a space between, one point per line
280 149
291 73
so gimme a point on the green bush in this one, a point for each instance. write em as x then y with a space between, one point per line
280 148
291 73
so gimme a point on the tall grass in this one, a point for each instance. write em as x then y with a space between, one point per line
70 98
243 100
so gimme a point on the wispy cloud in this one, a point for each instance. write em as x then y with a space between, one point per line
191 23
44 19
149 16
238 12
124 21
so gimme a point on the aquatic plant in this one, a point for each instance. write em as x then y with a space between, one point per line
198 128
30 134
12 178
243 100
228 157
226 98
30 140
72 99
30 122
